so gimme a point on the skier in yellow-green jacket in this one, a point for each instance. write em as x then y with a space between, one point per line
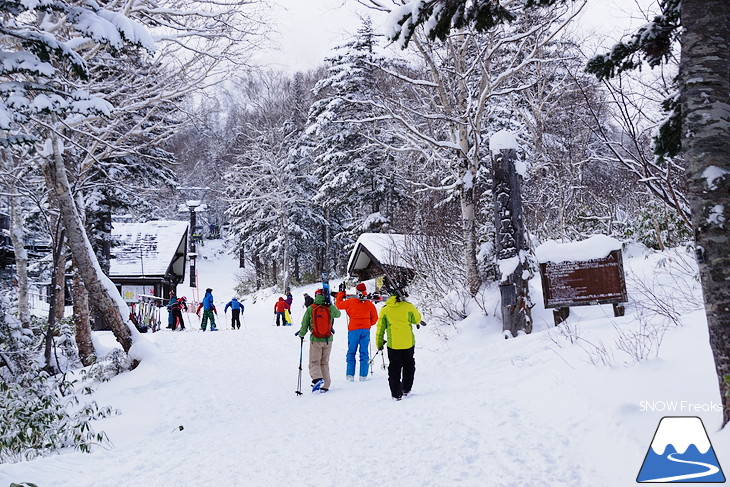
395 327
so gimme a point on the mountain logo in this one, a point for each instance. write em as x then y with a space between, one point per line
681 452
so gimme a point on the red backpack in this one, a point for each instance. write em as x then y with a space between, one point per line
321 325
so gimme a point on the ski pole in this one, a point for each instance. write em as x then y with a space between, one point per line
370 352
299 381
373 359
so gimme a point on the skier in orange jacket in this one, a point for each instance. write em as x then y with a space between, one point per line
362 315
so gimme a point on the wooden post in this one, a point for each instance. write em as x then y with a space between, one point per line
511 241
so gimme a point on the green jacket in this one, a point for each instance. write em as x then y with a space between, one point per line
396 321
307 319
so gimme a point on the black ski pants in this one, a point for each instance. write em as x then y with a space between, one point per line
235 318
280 317
401 370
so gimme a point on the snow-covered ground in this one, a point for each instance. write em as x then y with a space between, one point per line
221 409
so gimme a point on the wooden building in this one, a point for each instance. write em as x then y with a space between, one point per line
386 254
148 258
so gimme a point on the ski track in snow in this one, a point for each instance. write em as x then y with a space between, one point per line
484 412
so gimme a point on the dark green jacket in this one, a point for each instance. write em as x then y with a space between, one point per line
307 320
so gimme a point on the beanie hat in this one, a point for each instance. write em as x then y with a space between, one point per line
317 292
361 287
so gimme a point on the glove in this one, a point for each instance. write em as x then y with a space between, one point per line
419 325
342 287
296 333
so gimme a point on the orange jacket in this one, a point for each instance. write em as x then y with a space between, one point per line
281 305
362 314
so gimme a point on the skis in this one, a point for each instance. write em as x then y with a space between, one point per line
377 298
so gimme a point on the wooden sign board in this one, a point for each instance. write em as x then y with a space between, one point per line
582 283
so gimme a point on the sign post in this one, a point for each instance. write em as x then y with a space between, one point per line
512 249
584 283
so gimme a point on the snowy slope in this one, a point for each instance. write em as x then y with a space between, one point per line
220 408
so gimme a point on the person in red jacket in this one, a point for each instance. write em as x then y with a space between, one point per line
279 308
362 315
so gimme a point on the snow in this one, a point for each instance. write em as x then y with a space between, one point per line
502 140
507 266
717 215
595 247
712 174
220 408
389 248
145 248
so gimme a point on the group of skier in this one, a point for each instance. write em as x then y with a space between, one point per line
394 327
282 310
177 305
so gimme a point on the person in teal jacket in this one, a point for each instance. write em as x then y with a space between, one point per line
319 348
395 327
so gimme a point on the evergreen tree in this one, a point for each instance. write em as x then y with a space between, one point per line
356 188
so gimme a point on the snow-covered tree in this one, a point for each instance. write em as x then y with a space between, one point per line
67 77
269 186
358 187
697 120
463 95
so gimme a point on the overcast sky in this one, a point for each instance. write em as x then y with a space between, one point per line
309 29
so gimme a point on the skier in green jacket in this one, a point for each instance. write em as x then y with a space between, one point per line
319 347
396 322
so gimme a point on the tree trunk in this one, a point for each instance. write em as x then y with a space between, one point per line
468 222
285 266
705 91
102 292
511 244
21 261
58 287
258 271
48 341
82 324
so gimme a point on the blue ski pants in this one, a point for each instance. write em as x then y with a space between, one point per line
358 338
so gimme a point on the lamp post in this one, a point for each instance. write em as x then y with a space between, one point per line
193 206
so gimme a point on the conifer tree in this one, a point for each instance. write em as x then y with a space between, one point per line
356 189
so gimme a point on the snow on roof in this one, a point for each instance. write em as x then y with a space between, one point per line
595 247
145 249
388 248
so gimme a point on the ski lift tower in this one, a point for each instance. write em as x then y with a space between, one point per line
193 204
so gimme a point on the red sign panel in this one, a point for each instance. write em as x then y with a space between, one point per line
596 281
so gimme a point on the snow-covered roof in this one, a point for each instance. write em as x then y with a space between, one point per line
146 249
389 249
595 247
